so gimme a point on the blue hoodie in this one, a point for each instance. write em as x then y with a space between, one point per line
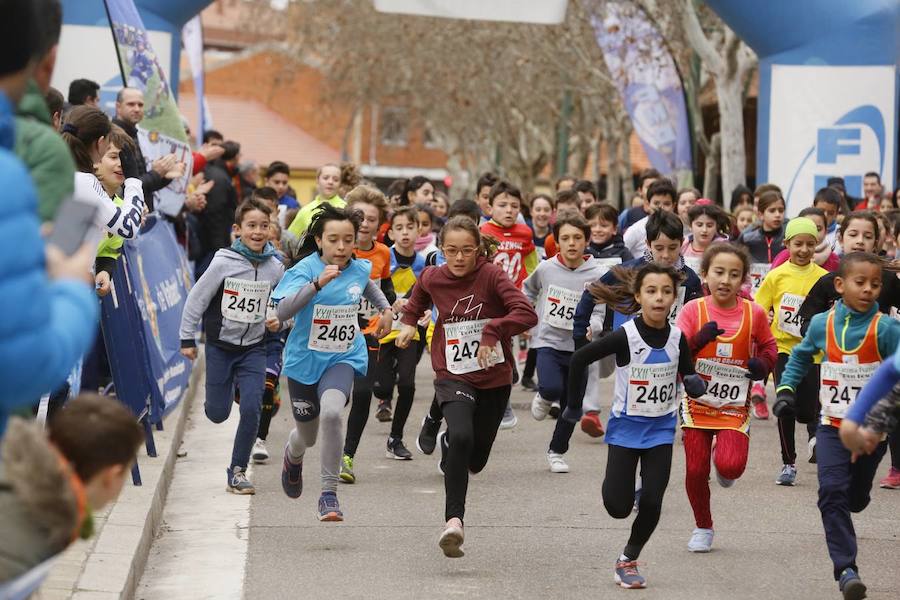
45 326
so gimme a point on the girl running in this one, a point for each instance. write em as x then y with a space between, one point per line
651 355
784 290
323 353
730 341
542 213
425 242
823 257
709 224
371 205
479 309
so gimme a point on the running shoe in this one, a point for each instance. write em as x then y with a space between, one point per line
701 540
347 475
383 412
451 541
291 475
540 408
509 418
554 410
788 475
627 575
758 400
238 482
529 384
396 450
851 585
427 439
445 446
260 453
591 424
557 463
329 509
811 451
892 481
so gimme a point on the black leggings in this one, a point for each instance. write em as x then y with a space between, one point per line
404 374
618 489
807 408
362 401
473 416
530 364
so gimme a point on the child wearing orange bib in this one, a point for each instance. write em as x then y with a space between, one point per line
730 340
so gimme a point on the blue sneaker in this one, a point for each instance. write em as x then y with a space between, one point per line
238 482
329 509
851 585
627 576
788 475
291 476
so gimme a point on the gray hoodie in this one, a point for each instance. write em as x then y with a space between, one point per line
555 290
234 315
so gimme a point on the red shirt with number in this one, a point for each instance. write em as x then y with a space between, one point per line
516 253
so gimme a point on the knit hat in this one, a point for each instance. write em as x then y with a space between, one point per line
800 225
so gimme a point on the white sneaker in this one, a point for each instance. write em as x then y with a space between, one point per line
540 408
509 418
701 540
811 451
259 454
557 463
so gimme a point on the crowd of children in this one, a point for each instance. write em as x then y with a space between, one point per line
691 306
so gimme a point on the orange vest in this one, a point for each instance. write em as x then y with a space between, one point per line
380 257
866 353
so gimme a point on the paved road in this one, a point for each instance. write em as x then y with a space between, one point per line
529 533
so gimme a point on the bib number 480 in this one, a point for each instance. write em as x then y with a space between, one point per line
724 391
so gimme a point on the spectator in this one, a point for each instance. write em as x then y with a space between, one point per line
46 326
211 136
55 105
37 142
248 171
215 221
205 153
49 483
872 191
84 91
129 113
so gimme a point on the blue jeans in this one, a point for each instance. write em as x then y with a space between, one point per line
246 369
843 489
553 378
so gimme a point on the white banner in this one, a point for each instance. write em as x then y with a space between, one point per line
192 39
828 121
546 12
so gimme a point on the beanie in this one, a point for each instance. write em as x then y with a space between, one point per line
799 226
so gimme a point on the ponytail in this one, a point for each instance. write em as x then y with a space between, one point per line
84 126
621 296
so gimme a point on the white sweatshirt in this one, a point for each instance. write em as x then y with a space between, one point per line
123 221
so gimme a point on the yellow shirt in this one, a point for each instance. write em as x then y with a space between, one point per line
305 214
796 282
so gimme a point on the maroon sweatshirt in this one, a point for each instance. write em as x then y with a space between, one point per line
484 294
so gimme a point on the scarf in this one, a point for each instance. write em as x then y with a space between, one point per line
242 249
424 241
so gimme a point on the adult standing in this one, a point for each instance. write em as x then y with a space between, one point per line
216 219
84 91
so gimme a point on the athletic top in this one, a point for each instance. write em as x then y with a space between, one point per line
380 257
516 253
122 220
405 270
304 216
784 290
324 331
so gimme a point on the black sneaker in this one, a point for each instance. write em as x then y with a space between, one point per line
383 413
554 410
445 446
529 384
427 439
396 450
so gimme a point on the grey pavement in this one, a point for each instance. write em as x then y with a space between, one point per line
533 534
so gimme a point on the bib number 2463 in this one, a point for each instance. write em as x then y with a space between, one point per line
333 328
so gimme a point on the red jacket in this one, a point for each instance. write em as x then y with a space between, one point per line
485 293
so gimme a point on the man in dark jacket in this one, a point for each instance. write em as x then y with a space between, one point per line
216 219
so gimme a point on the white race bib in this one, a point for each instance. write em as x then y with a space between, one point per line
245 301
367 310
840 385
333 328
758 272
463 339
651 389
693 263
726 385
559 307
676 308
789 314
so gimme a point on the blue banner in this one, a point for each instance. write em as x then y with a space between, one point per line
141 318
648 82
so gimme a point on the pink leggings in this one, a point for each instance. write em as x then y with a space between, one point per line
731 459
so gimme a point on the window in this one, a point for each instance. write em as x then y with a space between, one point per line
429 140
394 126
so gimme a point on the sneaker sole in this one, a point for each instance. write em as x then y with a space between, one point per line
390 454
509 424
451 544
331 517
237 492
557 470
260 460
384 417
629 586
347 478
889 486
854 590
422 450
699 550
784 483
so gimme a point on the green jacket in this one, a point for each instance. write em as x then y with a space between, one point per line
44 153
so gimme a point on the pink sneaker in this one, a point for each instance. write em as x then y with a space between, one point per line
758 400
892 481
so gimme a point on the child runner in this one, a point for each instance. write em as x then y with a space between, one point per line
371 205
731 342
763 240
231 298
323 353
479 311
516 252
555 289
854 337
425 242
743 218
542 213
661 196
651 355
783 290
687 198
823 257
708 224
605 241
397 364
828 200
328 178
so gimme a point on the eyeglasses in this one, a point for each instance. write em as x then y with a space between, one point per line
466 252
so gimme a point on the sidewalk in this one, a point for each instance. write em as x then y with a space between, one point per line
109 565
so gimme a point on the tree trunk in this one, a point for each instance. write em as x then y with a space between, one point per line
613 172
626 173
711 169
731 125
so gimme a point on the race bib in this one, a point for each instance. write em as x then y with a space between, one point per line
757 273
396 324
726 385
559 308
333 328
840 385
693 263
367 310
789 314
463 339
245 301
676 308
607 263
651 389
